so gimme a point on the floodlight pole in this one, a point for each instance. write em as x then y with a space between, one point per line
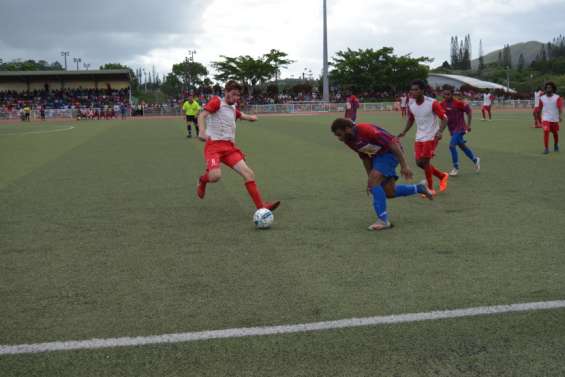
65 54
326 84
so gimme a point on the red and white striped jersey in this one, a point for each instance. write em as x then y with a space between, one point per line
426 115
221 121
550 106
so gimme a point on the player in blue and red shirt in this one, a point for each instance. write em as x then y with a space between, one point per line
456 110
381 152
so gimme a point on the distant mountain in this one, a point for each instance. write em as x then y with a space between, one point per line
529 49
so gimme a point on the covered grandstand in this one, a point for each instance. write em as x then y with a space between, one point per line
27 81
437 80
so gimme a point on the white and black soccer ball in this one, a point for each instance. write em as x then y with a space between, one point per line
263 218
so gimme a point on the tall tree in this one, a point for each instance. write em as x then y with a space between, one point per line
375 70
277 59
481 56
521 62
190 73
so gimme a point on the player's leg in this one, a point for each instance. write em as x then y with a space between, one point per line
188 127
454 155
386 165
483 109
546 130
236 161
376 179
195 121
489 109
213 173
555 132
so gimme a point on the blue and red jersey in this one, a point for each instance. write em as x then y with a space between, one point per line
371 140
455 111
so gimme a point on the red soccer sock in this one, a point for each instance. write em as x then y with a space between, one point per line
555 138
429 176
254 193
546 139
437 173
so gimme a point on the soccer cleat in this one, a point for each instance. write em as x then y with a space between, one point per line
454 172
556 148
425 191
189 136
380 225
546 151
201 189
272 206
477 164
443 182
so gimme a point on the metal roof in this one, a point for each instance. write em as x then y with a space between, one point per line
121 73
476 83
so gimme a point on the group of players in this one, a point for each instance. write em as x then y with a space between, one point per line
380 151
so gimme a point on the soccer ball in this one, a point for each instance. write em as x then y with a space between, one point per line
263 218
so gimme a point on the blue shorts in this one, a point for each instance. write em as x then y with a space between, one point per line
386 165
457 139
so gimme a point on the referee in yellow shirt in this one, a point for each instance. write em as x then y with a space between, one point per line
191 109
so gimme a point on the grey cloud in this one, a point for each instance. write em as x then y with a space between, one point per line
99 31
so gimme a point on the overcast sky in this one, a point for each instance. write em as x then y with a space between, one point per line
148 32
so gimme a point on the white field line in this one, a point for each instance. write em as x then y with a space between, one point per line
273 330
37 132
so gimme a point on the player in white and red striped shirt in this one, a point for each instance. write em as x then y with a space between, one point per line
431 121
217 129
487 105
551 106
537 112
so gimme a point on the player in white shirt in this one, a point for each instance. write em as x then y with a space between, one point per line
551 106
431 121
537 112
403 104
487 105
217 128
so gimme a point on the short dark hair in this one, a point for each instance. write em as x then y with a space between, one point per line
552 84
232 85
341 124
419 83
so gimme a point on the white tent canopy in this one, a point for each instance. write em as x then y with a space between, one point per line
457 81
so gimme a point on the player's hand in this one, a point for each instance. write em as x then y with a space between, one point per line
202 135
402 134
252 118
438 135
406 173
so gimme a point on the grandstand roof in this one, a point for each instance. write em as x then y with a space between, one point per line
439 79
123 74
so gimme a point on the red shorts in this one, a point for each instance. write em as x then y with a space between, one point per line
486 108
218 151
550 126
425 149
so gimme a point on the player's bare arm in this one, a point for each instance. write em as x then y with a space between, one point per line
409 124
399 154
202 123
442 127
248 117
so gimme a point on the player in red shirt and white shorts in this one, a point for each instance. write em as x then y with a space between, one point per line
551 107
217 129
430 121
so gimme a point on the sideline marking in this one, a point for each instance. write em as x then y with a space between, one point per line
272 330
37 132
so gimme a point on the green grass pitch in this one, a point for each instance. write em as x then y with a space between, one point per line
102 236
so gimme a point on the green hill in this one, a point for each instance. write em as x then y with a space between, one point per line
529 49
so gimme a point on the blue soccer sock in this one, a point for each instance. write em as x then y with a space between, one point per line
379 203
454 156
405 190
468 152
